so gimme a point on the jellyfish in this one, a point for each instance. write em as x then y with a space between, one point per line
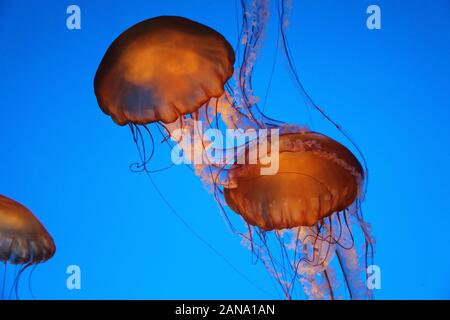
316 177
307 206
304 222
24 242
162 70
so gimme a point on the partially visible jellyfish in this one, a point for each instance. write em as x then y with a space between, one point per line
160 70
24 242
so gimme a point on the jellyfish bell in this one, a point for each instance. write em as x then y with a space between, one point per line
317 176
23 239
162 68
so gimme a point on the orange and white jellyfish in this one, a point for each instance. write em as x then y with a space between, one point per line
162 70
24 241
304 223
309 206
173 71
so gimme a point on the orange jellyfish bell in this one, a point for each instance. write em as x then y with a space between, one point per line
317 176
23 239
162 68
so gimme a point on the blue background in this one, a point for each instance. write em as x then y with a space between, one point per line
68 162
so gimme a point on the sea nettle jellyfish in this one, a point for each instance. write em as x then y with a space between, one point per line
24 242
304 222
179 74
162 70
308 207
